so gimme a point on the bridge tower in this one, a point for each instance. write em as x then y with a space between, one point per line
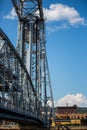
31 47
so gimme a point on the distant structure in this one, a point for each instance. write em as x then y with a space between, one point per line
70 115
67 109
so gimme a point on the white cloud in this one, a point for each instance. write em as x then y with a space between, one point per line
56 27
12 15
72 99
60 12
49 103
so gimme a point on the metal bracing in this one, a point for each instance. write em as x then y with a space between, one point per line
24 74
28 9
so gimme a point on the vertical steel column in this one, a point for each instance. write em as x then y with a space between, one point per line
29 52
44 71
38 63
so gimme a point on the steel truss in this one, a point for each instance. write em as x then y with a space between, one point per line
25 83
16 88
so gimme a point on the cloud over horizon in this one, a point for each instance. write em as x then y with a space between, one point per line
72 99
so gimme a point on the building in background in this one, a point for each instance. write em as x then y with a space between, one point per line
70 115
67 109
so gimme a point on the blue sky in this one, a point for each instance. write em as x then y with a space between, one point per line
66 42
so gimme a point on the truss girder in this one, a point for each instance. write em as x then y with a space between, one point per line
16 88
28 9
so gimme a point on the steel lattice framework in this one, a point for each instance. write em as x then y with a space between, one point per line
24 74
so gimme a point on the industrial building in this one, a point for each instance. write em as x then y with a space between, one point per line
70 115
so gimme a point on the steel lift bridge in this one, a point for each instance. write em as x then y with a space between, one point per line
25 86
